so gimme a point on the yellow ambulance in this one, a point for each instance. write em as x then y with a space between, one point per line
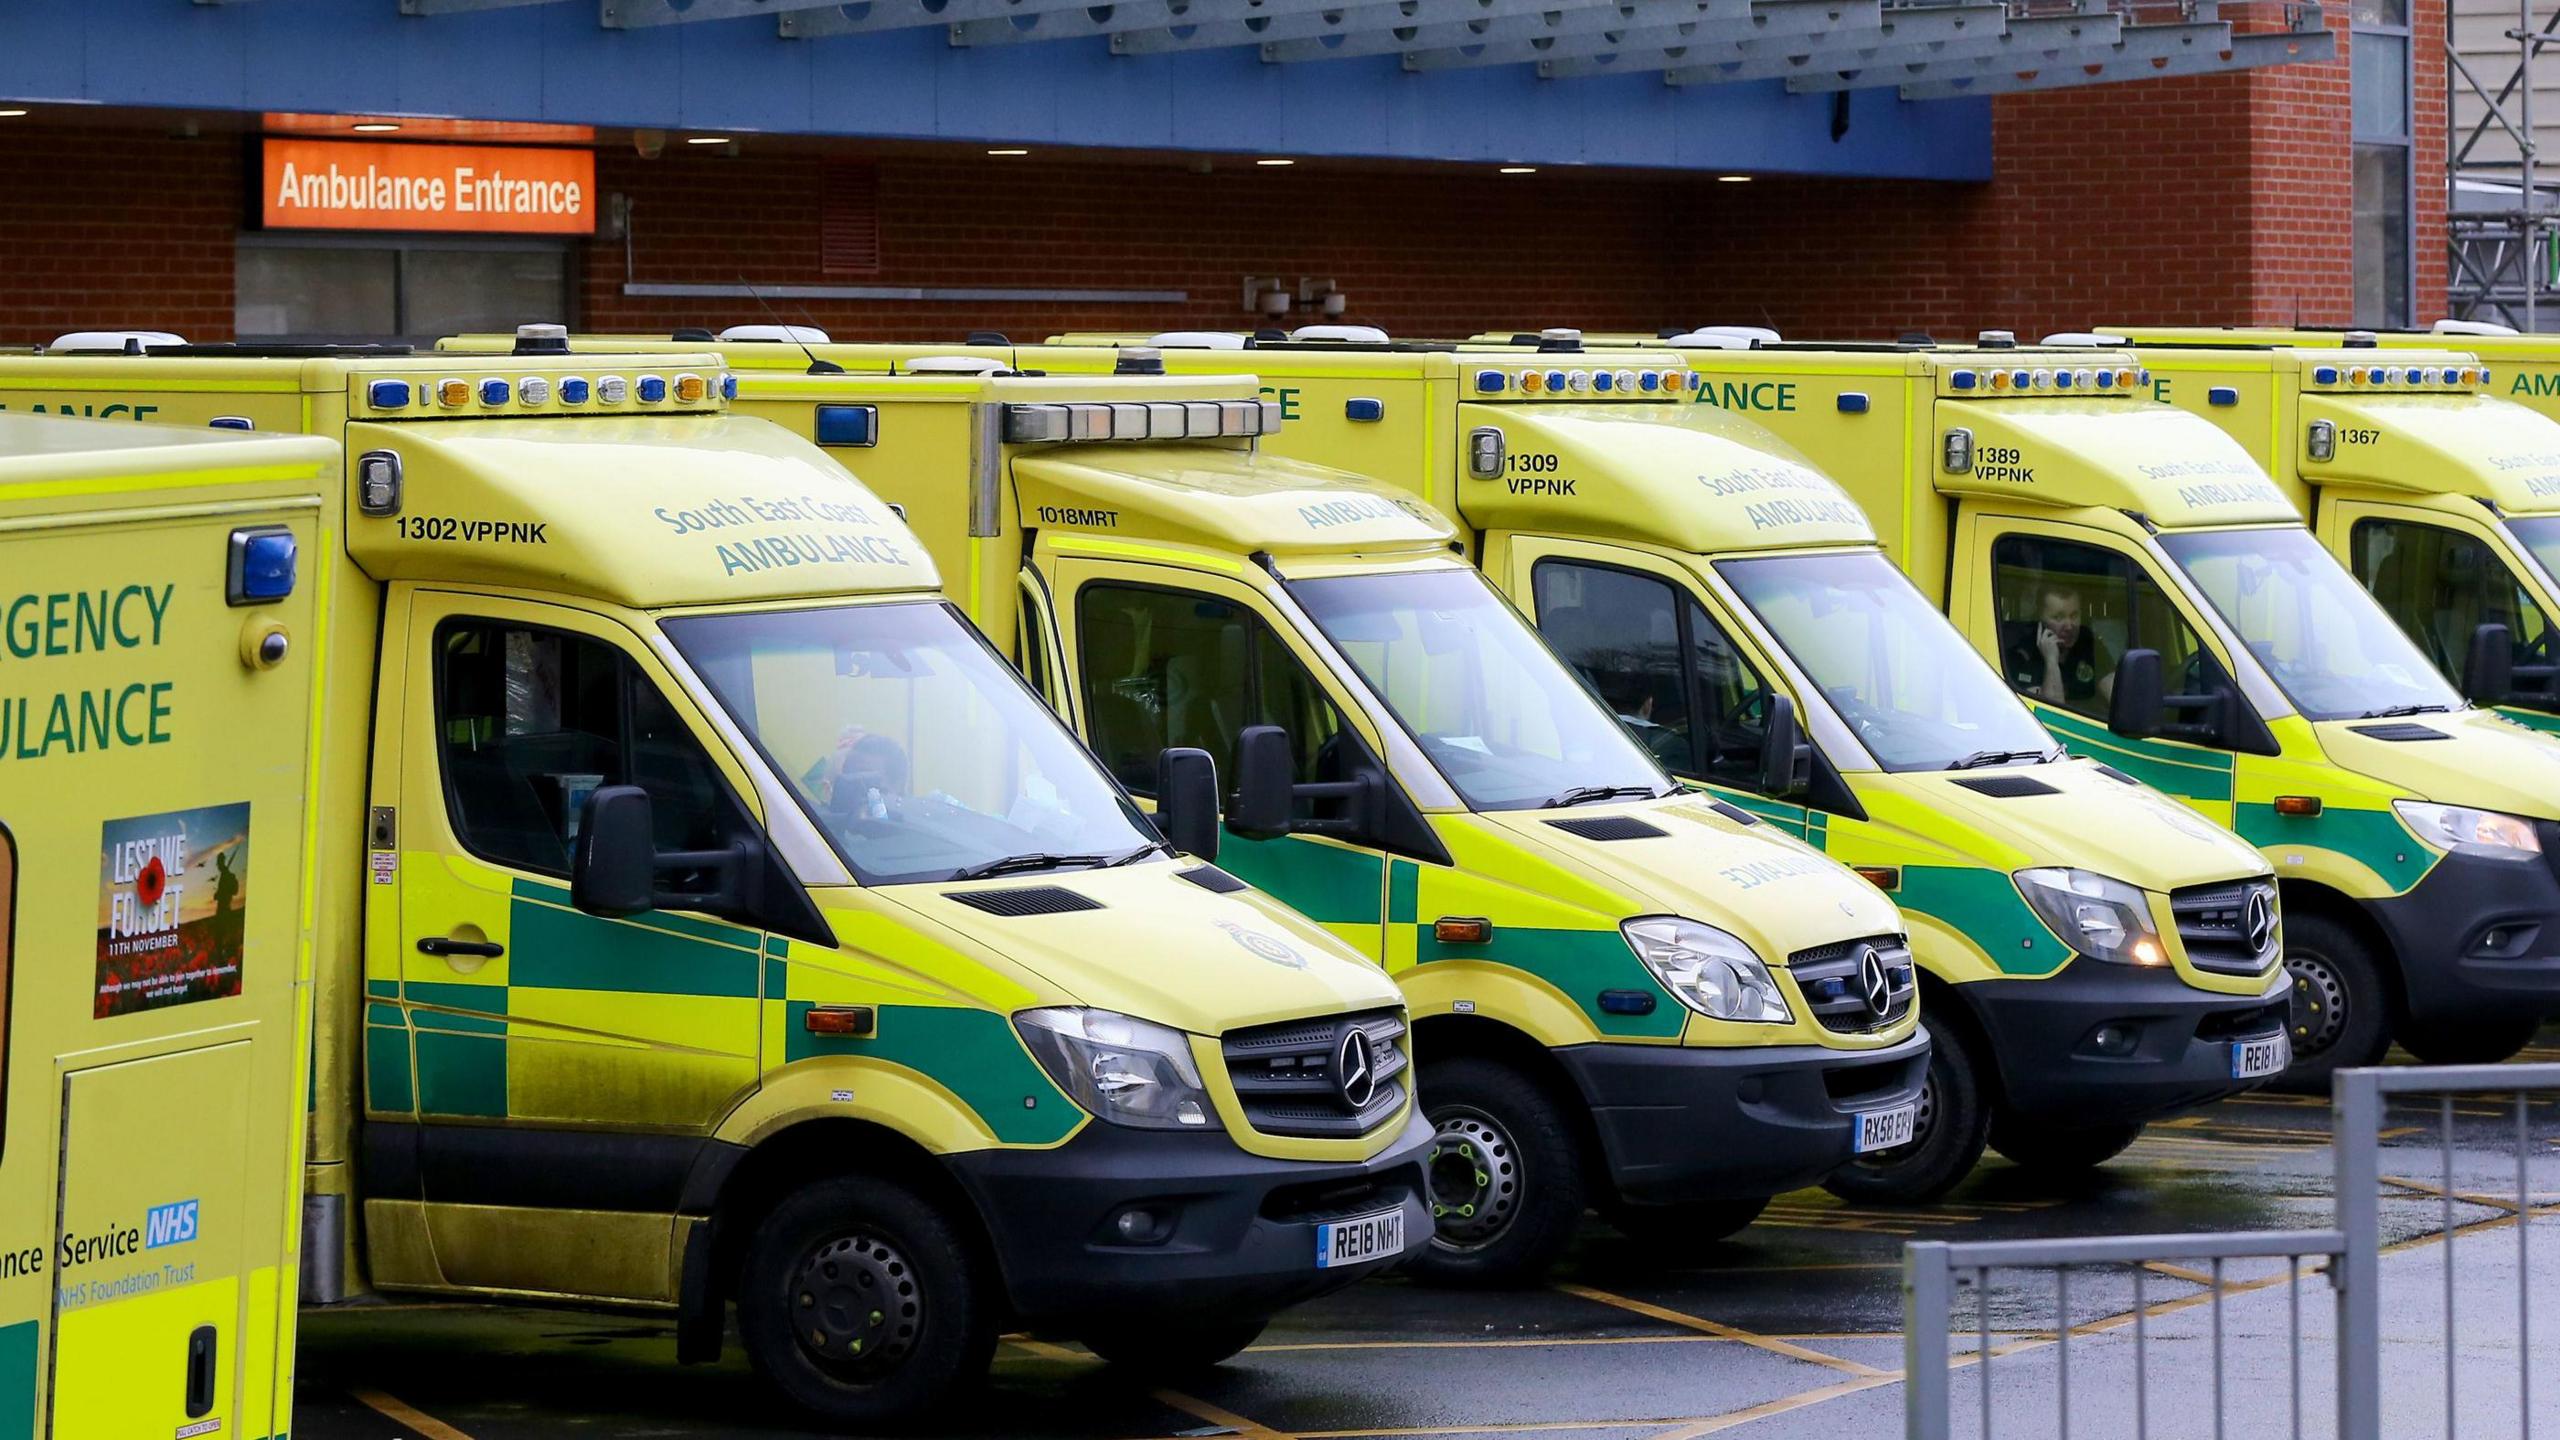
1627 997
2440 494
2156 597
708 917
2093 954
160 657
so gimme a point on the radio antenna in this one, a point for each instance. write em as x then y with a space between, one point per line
816 365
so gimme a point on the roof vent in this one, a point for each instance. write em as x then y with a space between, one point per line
771 335
1715 337
1197 340
1559 340
542 339
954 365
1340 334
1138 360
2472 327
2086 340
1997 340
2360 340
985 337
693 335
128 342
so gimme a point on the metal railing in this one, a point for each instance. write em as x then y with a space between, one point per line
2350 1255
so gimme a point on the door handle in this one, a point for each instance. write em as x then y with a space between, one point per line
200 1371
439 945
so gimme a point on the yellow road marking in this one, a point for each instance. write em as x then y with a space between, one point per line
1048 1350
1198 1408
1780 1406
403 1413
1710 1327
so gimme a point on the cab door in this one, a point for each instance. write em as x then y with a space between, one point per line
2025 578
567 1067
2440 576
1631 627
1166 655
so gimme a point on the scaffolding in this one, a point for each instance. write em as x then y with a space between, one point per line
2502 211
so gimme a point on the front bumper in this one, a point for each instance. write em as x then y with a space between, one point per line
1240 1238
1679 1124
2479 938
2045 1039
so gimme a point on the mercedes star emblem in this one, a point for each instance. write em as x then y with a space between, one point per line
2259 922
1875 983
1354 1072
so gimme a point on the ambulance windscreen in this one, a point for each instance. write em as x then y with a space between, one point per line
1896 671
1504 721
920 753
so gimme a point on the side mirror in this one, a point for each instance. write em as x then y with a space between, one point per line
1264 770
1187 801
1781 747
618 865
2134 710
2489 668
616 869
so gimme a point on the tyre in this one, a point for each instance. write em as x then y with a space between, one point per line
2055 1149
1503 1176
1680 1230
2341 1001
863 1304
1946 1139
2484 1041
1174 1346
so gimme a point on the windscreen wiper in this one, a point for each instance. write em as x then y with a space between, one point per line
1585 794
1980 758
2390 712
1012 864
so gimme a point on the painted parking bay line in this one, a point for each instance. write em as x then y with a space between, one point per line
403 1413
1709 1327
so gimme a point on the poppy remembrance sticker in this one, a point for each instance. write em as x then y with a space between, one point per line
173 895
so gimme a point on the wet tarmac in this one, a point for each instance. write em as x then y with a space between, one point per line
1792 1328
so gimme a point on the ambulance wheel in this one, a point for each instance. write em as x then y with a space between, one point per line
863 1304
1678 1230
2340 1012
1174 1347
2054 1149
2483 1041
1946 1138
1503 1176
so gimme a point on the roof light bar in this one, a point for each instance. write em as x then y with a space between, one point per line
1035 424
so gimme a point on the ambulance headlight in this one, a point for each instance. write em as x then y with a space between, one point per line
2102 918
1123 1069
2486 833
1708 970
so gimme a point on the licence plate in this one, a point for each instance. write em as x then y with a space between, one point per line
2257 1059
1360 1239
1884 1129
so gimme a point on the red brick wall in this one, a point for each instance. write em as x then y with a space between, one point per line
116 228
2201 200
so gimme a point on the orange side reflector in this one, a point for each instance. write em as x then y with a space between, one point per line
1461 930
1883 877
2297 804
839 1020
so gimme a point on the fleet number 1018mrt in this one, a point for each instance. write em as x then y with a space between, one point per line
1359 1239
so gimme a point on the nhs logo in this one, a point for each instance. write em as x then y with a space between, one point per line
170 1224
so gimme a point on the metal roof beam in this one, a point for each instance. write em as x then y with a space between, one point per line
1245 21
637 14
2038 42
2150 52
1325 29
1657 47
867 16
1551 23
457 7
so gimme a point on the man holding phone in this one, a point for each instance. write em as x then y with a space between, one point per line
2057 657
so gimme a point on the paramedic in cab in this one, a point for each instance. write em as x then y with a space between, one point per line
859 777
2056 658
